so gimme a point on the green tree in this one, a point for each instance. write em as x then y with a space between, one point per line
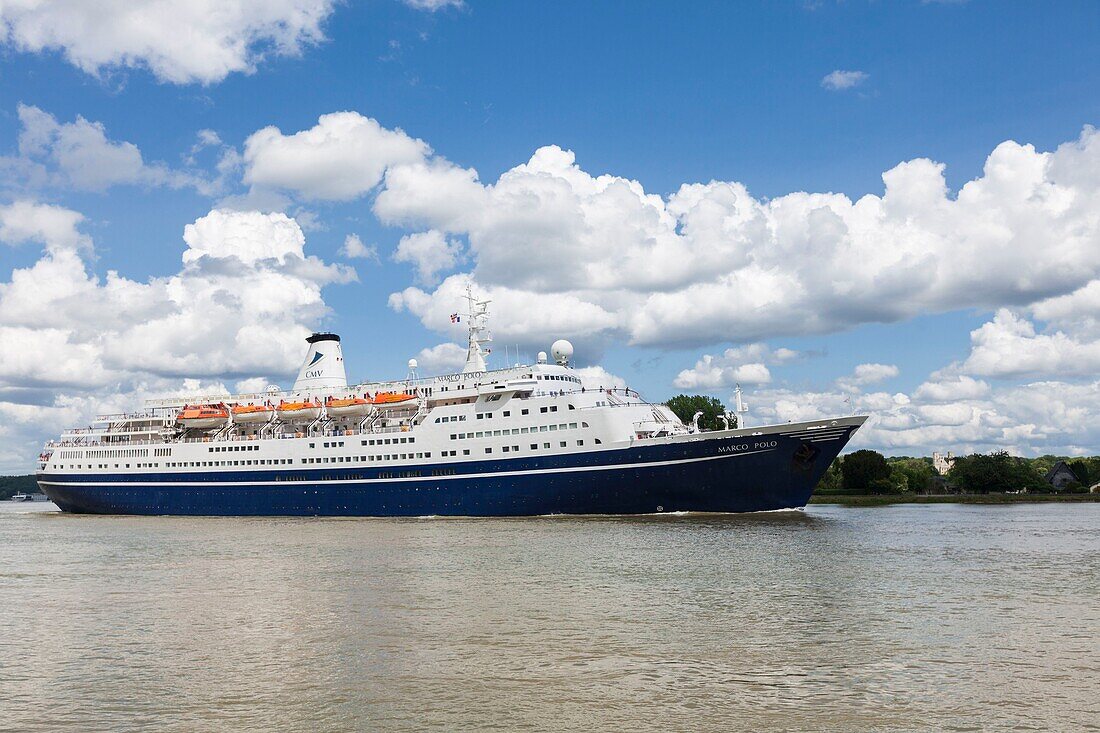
861 468
912 474
831 482
1081 470
685 407
996 472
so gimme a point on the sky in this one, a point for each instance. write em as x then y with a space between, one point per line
889 208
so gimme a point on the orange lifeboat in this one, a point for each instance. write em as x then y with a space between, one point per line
299 411
387 399
252 414
348 407
202 417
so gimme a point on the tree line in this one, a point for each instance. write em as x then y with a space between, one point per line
870 472
11 485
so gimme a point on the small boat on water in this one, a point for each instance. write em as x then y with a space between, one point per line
22 497
387 399
348 407
252 414
203 417
299 412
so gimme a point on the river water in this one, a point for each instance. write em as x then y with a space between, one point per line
935 617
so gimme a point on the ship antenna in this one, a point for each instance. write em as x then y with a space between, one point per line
478 317
739 407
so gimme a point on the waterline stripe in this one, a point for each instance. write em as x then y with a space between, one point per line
452 477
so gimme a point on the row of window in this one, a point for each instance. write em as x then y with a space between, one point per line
120 453
387 441
516 431
231 448
535 446
365 459
253 462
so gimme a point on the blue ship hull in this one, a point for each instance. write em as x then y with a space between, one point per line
712 472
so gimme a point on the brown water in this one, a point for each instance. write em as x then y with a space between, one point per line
940 617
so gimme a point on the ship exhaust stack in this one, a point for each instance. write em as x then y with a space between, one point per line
324 364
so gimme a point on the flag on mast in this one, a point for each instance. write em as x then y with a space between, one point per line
455 318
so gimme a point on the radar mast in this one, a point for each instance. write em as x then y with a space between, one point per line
478 318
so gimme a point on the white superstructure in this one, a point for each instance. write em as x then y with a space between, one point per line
476 414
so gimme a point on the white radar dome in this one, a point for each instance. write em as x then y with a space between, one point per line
542 357
412 364
561 350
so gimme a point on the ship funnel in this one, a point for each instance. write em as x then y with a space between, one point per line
324 364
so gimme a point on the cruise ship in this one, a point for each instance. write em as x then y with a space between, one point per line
524 440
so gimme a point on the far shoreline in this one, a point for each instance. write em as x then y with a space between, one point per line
871 500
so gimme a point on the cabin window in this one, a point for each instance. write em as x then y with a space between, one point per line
488 450
507 413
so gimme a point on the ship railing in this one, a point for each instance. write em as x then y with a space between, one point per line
392 429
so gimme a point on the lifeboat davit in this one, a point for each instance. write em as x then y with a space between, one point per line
348 407
252 414
299 411
202 417
387 399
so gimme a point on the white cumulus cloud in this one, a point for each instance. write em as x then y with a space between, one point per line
53 226
430 252
179 41
711 263
865 374
746 364
433 5
839 79
441 358
79 155
1010 346
354 248
342 157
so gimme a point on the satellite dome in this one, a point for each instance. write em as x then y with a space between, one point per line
413 364
561 350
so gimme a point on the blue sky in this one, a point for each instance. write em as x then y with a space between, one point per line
661 94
